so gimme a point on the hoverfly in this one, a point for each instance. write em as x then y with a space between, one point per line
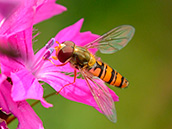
90 67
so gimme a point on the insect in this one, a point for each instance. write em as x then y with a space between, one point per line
90 67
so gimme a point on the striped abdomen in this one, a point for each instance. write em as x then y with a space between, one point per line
109 75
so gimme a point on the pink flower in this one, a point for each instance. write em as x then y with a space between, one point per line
30 68
21 109
16 20
16 33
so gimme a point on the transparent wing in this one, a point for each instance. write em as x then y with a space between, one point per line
113 40
102 96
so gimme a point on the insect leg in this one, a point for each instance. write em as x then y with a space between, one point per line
75 73
59 64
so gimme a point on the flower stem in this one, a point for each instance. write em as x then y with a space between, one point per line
10 119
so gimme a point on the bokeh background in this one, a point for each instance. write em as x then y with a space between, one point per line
146 62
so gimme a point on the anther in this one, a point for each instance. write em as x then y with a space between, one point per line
48 53
50 43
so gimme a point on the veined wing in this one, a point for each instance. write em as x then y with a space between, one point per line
113 40
102 96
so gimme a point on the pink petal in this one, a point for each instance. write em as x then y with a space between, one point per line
26 86
21 44
22 41
2 78
79 91
20 19
21 109
10 65
72 33
8 6
2 101
28 13
3 124
47 9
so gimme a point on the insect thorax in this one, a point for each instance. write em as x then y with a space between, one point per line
82 58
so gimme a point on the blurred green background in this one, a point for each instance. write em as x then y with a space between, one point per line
146 62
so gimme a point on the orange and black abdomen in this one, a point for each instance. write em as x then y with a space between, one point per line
109 75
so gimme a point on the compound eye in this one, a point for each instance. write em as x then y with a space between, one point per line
69 43
65 53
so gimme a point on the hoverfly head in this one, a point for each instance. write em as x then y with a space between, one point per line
64 51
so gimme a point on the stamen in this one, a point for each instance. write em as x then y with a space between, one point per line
43 55
40 62
43 51
50 43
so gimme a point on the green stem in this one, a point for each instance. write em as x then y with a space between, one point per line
37 101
